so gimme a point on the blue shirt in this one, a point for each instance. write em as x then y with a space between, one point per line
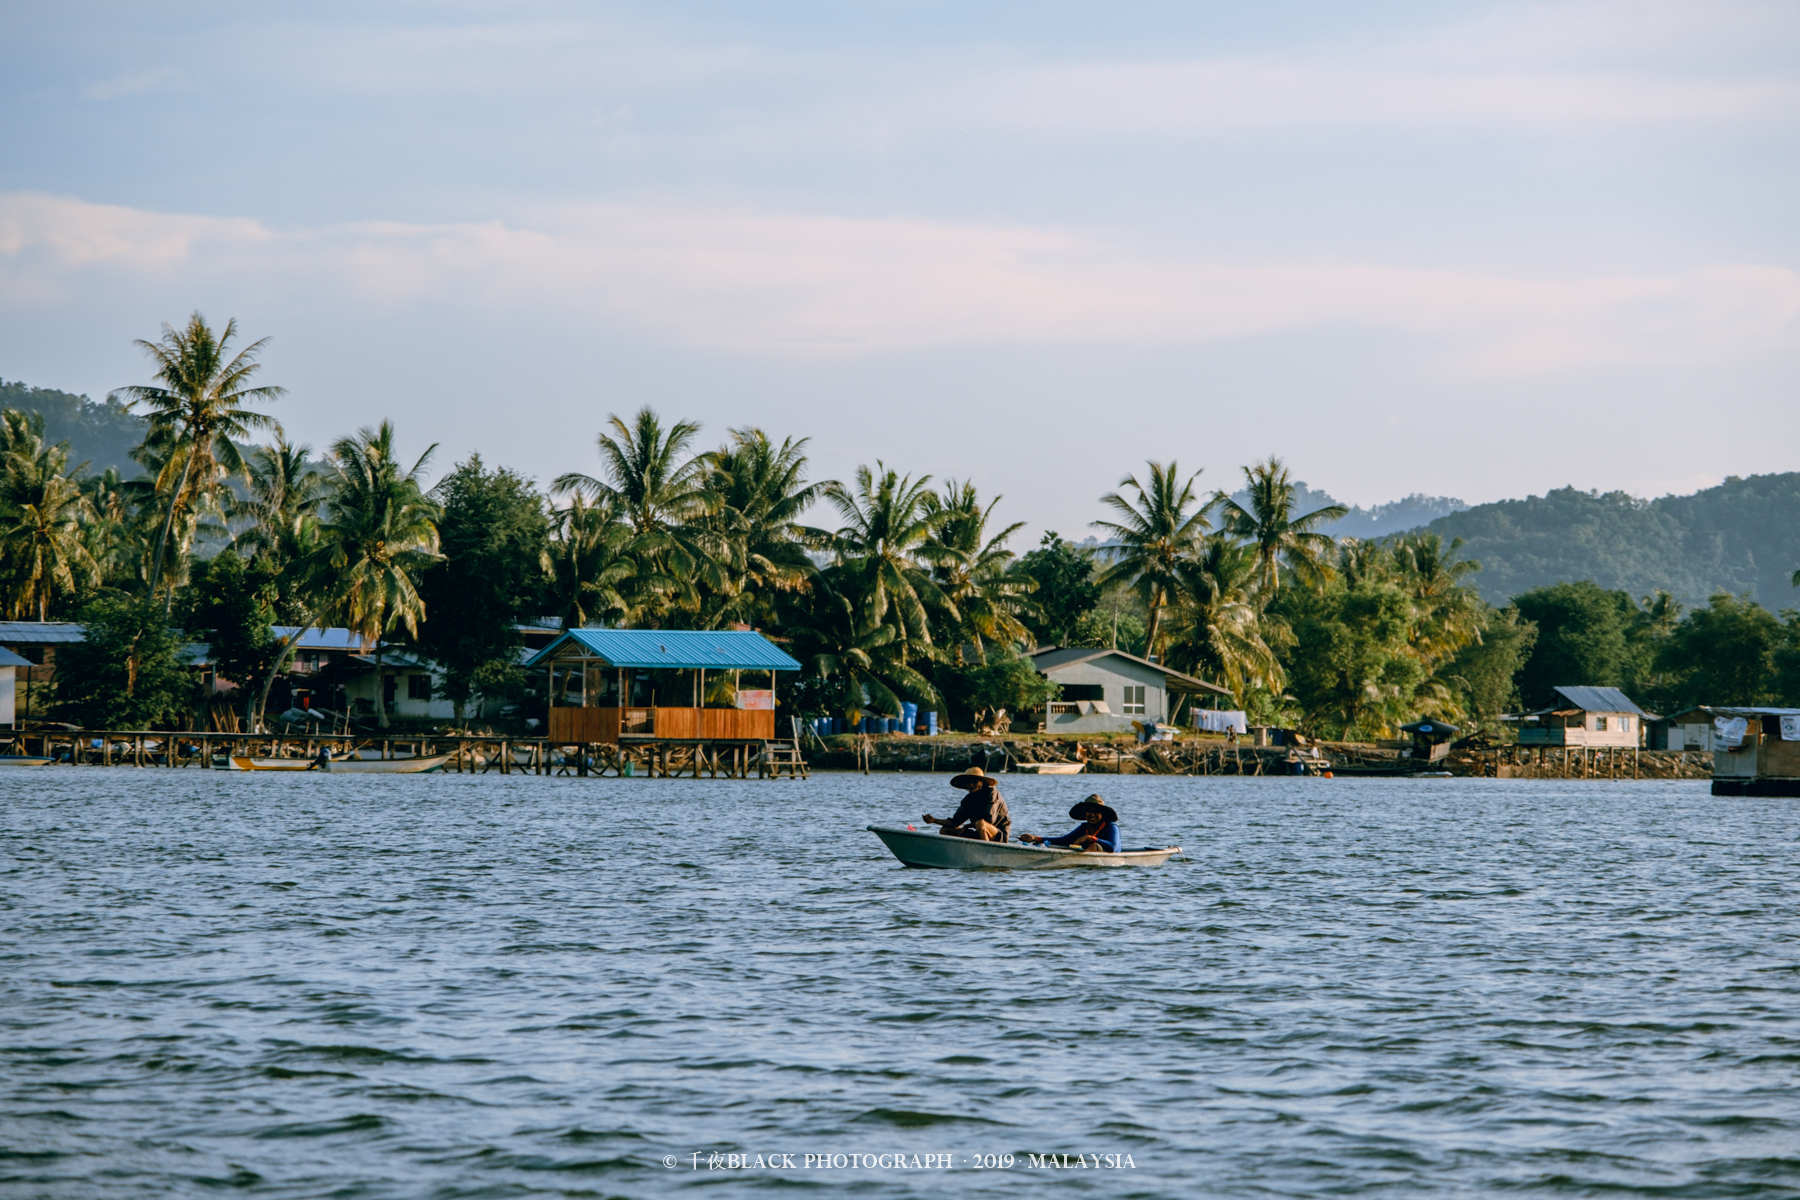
1107 835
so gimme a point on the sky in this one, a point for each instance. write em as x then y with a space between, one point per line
1465 249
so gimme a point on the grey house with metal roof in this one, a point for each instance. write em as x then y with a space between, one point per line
1587 716
1104 691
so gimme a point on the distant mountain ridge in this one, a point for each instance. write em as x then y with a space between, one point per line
1396 516
101 433
1742 536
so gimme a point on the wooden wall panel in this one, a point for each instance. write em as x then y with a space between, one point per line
570 725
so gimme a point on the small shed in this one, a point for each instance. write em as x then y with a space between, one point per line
1108 691
9 670
1585 716
603 687
1689 729
1430 739
1756 751
36 642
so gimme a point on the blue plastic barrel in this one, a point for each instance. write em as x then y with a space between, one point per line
930 724
909 717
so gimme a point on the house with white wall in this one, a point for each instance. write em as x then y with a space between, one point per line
1104 691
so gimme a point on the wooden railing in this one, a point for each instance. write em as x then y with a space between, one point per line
571 726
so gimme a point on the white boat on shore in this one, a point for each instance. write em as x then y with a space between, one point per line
1073 768
919 849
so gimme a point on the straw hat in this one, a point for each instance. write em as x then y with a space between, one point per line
971 779
1093 807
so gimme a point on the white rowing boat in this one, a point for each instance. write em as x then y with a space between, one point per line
917 849
385 766
1049 768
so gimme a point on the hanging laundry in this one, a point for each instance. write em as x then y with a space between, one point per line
1215 720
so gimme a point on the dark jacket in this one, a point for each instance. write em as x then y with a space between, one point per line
984 804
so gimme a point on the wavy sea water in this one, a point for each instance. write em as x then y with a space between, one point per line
222 984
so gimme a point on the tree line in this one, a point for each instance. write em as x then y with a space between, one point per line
908 590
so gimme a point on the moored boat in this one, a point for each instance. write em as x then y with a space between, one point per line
245 762
918 849
23 760
1053 768
385 766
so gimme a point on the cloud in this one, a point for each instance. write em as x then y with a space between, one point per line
787 284
1572 66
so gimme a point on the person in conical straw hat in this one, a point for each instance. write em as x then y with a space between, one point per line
1099 828
982 814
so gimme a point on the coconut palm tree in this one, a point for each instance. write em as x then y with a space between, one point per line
1216 629
862 662
43 511
592 577
886 536
1268 522
1450 613
281 508
1152 536
761 493
379 532
648 478
972 568
203 404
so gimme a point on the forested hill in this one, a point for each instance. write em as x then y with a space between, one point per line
1742 536
99 432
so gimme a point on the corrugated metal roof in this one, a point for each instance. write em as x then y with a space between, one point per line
9 659
38 633
1047 661
683 649
1599 699
331 638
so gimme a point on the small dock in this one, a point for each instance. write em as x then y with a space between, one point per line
645 757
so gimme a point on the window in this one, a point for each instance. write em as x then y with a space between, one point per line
418 687
1134 700
1083 691
1624 724
1599 724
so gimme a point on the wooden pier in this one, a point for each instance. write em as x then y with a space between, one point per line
628 757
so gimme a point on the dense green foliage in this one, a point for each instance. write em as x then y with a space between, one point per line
231 606
127 673
494 538
1063 589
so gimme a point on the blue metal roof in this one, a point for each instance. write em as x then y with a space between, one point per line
9 659
331 638
684 649
39 633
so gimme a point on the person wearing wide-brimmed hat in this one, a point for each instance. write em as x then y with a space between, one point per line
982 814
1099 828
